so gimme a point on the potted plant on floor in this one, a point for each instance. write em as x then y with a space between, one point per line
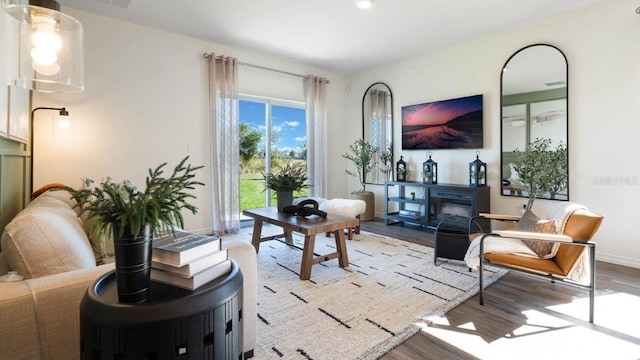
287 179
133 216
361 153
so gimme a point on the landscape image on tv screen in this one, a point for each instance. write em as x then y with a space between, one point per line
446 124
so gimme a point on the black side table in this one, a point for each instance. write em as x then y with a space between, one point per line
173 324
451 238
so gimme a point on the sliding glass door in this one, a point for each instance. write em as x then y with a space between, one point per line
272 133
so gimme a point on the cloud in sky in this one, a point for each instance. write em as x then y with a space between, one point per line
301 139
292 123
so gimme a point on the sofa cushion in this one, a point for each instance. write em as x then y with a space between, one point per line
46 238
532 223
101 244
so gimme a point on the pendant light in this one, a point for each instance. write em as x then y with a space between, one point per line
43 48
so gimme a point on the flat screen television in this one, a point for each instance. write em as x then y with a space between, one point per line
445 124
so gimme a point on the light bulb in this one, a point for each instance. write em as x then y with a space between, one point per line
43 56
45 36
63 122
45 41
46 70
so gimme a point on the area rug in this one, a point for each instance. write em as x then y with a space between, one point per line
359 312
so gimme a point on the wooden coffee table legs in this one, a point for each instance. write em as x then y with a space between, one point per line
308 258
257 235
307 254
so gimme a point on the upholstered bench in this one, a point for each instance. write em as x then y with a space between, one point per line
345 207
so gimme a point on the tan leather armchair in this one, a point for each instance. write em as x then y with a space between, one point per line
574 239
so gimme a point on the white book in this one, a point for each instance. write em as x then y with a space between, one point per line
195 266
183 248
194 282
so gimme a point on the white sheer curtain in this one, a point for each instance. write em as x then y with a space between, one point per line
380 118
225 143
315 95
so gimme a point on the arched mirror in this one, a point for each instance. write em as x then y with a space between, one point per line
534 126
377 129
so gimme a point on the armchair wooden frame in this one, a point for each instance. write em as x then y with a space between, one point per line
539 272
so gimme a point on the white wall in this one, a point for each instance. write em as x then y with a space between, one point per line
145 103
601 45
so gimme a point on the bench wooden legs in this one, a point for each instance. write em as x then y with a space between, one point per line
350 231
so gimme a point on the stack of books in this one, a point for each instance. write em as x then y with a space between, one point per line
411 214
188 260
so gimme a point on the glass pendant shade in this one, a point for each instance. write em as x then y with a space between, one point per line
43 48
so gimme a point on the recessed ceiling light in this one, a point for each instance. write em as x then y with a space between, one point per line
364 4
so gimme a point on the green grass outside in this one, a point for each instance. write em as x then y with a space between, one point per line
252 191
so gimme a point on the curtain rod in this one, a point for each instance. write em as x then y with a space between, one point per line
207 55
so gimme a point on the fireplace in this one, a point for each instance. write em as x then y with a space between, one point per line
445 202
437 201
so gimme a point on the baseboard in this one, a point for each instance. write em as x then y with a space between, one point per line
618 260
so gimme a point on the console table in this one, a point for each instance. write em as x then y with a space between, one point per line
433 202
173 323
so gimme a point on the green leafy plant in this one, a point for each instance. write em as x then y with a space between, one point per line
541 169
159 206
361 154
290 177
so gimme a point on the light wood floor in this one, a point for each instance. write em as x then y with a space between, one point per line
524 317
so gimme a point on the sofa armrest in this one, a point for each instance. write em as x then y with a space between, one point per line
43 314
244 254
527 235
500 217
18 331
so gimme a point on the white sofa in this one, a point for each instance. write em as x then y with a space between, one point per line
46 243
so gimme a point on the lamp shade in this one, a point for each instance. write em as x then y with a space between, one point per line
43 48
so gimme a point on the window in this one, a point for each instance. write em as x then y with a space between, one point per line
272 132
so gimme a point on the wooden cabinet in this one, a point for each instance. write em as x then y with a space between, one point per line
433 202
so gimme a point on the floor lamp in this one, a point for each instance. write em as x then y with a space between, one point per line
62 112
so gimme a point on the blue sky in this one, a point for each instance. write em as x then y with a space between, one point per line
288 122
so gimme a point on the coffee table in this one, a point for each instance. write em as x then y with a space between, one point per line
309 227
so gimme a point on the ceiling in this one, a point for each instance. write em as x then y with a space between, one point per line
332 34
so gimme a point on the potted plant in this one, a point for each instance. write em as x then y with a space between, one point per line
134 217
289 178
541 169
361 154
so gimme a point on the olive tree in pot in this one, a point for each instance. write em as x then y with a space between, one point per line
133 217
361 153
289 178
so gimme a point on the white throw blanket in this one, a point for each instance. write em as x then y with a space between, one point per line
496 244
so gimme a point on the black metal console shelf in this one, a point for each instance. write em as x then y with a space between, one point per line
433 201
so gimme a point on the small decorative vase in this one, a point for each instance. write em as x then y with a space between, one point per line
133 264
285 198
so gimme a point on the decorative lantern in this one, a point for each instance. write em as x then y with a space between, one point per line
477 172
429 171
401 170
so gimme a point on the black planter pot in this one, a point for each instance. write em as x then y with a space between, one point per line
133 264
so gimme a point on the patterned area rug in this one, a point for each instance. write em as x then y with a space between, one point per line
361 312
